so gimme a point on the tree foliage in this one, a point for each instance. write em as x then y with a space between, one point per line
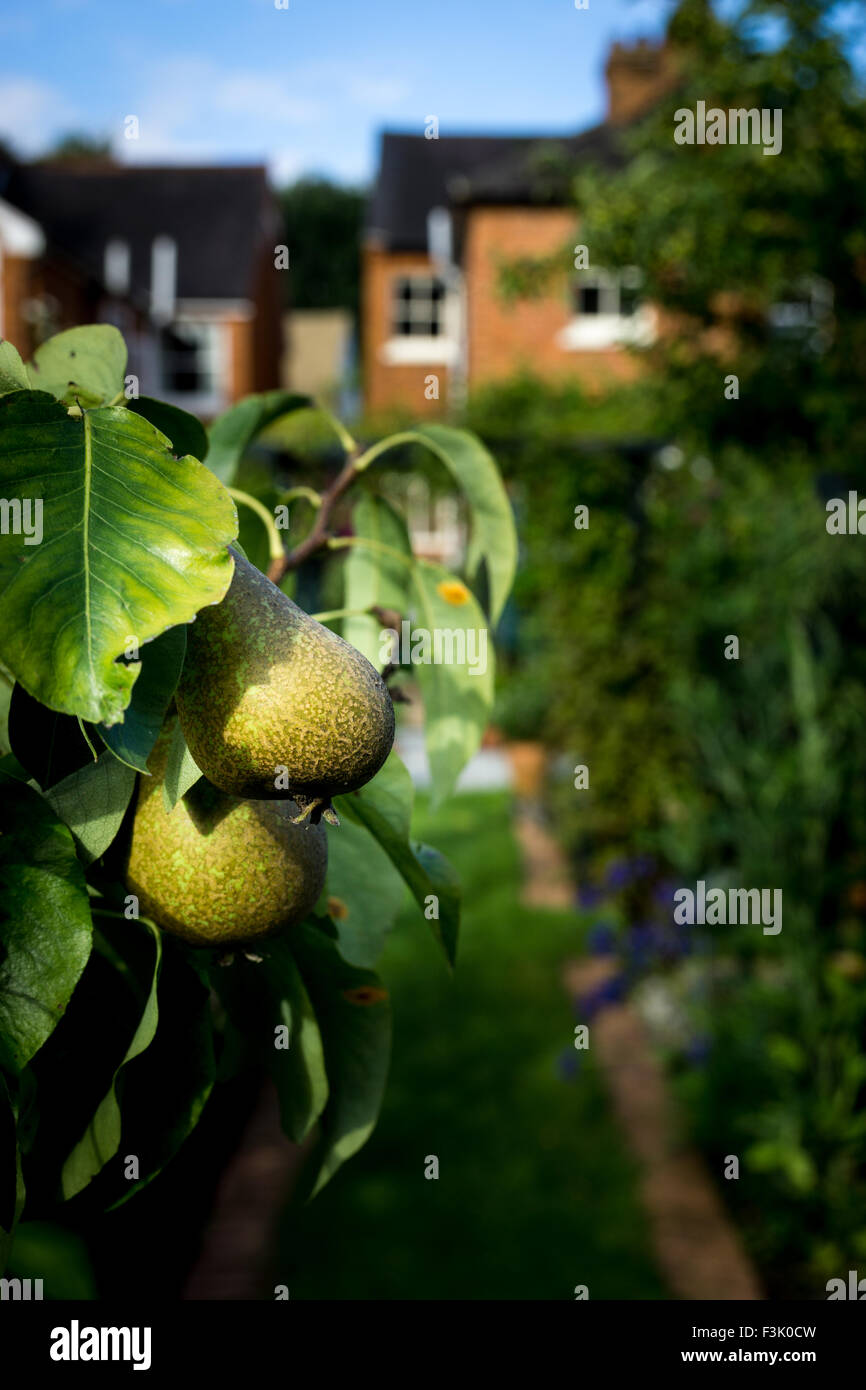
111 1038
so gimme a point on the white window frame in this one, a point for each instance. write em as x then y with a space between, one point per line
609 328
213 400
419 349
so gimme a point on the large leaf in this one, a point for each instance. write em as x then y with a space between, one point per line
81 365
368 892
92 803
14 376
384 808
161 665
135 542
354 1018
457 694
101 1139
45 927
261 996
372 577
232 432
59 1257
49 745
494 535
166 1088
187 434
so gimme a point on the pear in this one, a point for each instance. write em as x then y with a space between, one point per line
218 871
272 704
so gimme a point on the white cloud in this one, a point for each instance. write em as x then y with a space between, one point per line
34 113
193 110
378 93
252 94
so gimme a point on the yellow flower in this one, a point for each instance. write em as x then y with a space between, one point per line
453 592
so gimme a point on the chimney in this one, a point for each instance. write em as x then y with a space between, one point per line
637 75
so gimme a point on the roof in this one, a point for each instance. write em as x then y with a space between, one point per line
417 174
218 218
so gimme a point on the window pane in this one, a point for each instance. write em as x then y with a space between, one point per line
418 306
587 299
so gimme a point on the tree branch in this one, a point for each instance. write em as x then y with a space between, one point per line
318 536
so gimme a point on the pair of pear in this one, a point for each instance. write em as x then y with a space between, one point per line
280 714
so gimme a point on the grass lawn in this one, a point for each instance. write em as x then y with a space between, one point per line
535 1192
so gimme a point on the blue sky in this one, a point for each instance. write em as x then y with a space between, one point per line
307 88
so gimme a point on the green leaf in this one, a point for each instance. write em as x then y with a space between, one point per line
11 767
82 365
439 880
494 535
185 433
45 927
93 802
181 771
372 577
59 1257
135 542
101 1139
161 665
458 696
232 432
368 889
354 1018
14 376
259 998
384 807
166 1088
49 745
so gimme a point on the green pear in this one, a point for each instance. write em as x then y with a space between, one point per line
218 871
272 704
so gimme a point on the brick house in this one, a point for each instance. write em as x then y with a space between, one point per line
180 259
445 215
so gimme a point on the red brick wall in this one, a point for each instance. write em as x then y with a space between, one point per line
76 299
389 387
507 337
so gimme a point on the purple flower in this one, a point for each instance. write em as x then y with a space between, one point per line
588 895
601 939
663 893
568 1064
619 874
609 992
641 942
